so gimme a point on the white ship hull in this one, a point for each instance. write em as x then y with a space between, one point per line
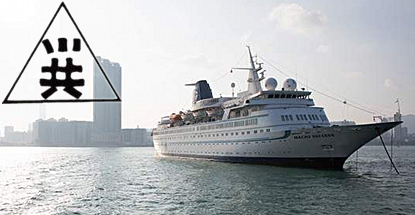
324 147
280 127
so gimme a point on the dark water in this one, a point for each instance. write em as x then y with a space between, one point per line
134 181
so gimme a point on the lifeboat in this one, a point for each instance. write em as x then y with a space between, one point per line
187 116
214 112
175 117
199 113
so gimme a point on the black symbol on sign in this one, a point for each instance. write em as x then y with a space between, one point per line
68 82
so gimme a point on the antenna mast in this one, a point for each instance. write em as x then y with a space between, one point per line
254 85
399 106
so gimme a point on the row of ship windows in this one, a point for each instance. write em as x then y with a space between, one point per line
217 134
303 117
240 123
222 153
283 96
215 144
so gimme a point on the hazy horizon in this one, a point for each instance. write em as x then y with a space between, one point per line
361 53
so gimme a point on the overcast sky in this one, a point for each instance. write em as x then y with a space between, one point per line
361 51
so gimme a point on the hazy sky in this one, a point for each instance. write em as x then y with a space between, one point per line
361 51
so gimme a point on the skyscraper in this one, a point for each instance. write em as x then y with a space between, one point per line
107 115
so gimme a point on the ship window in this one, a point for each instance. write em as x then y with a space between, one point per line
242 133
261 131
282 96
305 117
270 96
294 96
245 112
226 134
301 117
239 123
288 96
282 118
255 131
298 118
248 132
277 96
291 117
232 133
236 133
268 130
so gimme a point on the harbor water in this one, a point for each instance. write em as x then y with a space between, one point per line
41 180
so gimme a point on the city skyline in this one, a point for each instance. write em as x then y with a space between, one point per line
357 53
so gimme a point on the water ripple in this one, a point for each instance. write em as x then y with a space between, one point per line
134 181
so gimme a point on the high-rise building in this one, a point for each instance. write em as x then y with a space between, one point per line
400 132
107 115
8 130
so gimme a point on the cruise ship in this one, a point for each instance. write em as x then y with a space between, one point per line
271 126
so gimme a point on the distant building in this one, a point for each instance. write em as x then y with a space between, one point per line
400 132
107 115
15 137
136 137
106 138
62 132
8 130
409 122
343 123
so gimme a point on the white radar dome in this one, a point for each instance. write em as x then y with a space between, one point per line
271 84
290 84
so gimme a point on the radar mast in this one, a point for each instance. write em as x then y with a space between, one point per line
254 85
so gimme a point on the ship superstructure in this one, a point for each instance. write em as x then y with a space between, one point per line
279 127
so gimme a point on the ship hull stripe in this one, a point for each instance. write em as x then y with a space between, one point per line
333 163
286 135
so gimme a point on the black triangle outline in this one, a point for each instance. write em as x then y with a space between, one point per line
7 101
